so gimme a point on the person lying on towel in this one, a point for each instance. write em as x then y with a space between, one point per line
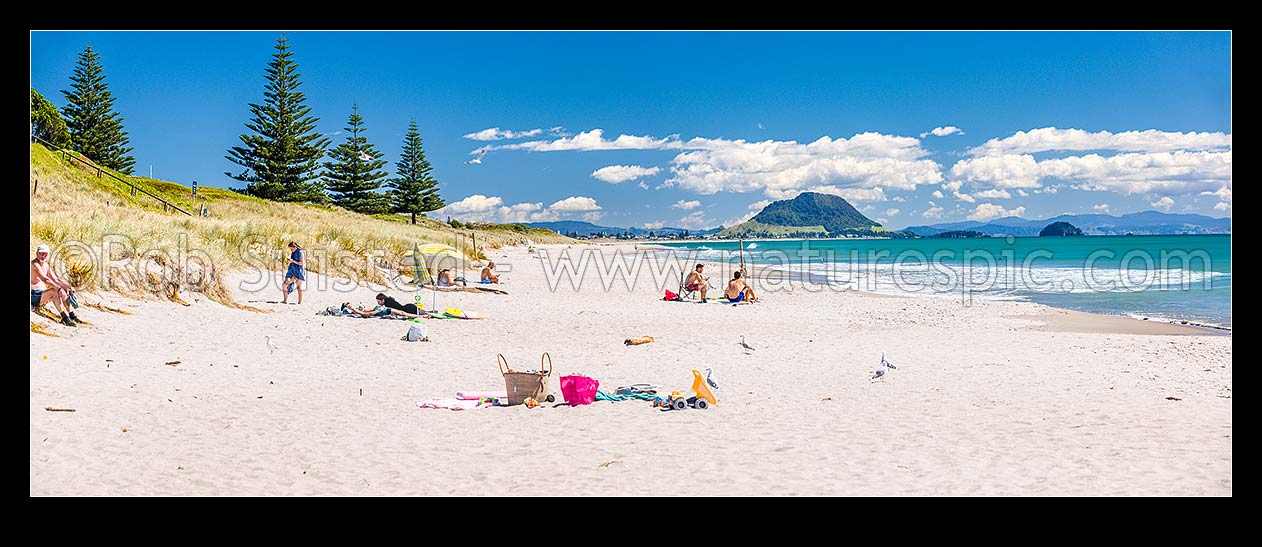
375 311
738 290
409 310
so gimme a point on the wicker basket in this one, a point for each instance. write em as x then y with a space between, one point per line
520 385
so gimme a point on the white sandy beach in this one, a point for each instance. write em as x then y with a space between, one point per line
1007 398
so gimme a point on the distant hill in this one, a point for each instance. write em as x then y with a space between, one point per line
810 214
1143 223
578 227
958 234
1060 229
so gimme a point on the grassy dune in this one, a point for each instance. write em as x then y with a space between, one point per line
104 238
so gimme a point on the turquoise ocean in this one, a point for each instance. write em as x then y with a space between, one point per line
1167 277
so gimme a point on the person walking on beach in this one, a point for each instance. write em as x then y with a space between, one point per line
698 282
738 289
47 287
295 275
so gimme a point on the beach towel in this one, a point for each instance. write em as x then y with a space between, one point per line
475 395
602 396
670 296
450 404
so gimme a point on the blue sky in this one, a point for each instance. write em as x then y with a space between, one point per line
1036 124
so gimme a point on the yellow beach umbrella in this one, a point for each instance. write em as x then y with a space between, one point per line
433 253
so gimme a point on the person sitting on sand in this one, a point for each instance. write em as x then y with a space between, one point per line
395 307
698 282
375 311
488 275
296 275
738 289
445 278
42 279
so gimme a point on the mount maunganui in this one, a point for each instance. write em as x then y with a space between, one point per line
811 214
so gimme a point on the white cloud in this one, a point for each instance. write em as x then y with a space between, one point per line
654 225
686 205
753 210
1103 208
867 161
1222 206
474 204
615 174
987 211
881 221
1163 203
995 193
892 211
642 185
933 211
695 220
1223 193
943 131
1051 139
1000 171
576 203
1163 173
938 194
480 208
867 208
1022 193
495 134
595 140
899 199
853 195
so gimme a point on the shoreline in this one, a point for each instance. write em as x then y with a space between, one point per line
806 277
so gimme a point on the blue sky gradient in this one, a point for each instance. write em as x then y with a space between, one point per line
184 98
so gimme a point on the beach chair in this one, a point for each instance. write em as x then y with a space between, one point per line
683 289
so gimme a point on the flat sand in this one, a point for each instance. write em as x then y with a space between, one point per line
1007 398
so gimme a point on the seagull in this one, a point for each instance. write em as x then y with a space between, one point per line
881 369
477 160
708 372
363 156
887 364
745 344
270 346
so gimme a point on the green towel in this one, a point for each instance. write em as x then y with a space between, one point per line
602 396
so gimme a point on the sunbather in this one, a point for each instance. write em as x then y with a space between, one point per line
488 275
698 282
375 311
445 278
738 290
409 310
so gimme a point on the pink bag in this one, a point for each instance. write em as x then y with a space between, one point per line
579 390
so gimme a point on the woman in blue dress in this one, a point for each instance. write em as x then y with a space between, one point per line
296 275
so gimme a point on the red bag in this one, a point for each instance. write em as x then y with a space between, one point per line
671 296
579 390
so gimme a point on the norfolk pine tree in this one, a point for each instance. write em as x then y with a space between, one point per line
353 177
415 191
96 129
282 154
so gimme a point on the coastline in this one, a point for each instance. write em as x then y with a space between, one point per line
988 398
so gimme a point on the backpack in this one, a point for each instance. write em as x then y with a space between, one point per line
416 333
671 296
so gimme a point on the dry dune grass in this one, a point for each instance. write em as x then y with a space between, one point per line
104 238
